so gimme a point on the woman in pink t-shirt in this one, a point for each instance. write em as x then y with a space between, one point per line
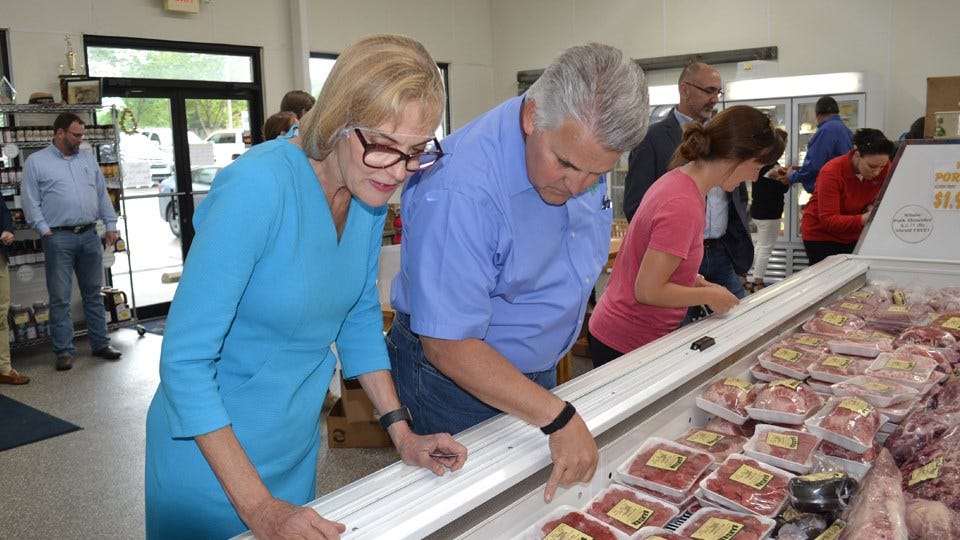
655 278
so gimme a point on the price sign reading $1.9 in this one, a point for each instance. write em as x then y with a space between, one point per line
946 185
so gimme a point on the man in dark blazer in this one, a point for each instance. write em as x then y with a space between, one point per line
728 254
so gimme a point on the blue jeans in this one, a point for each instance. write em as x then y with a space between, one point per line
67 252
717 268
436 403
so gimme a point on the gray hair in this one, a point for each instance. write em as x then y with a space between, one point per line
601 89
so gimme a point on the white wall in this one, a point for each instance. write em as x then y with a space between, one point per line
899 43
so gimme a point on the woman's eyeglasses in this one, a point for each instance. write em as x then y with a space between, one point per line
379 156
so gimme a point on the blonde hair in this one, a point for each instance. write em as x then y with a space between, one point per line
370 83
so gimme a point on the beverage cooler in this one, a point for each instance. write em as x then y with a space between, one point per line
652 391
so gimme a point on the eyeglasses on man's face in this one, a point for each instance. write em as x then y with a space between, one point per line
75 134
710 91
380 156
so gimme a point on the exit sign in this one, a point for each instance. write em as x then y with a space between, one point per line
184 6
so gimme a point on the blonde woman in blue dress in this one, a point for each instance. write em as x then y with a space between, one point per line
284 265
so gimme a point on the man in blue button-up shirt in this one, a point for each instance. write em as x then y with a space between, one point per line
832 139
64 194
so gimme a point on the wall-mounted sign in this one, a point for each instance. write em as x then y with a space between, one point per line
183 6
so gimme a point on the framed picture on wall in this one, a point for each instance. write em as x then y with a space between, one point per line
83 91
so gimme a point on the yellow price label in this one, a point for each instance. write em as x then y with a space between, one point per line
835 319
852 306
861 294
783 440
858 406
717 529
746 386
752 477
630 513
833 531
789 383
898 309
837 361
706 438
20 318
899 298
668 461
952 323
900 364
788 355
927 472
810 341
875 387
817 477
566 532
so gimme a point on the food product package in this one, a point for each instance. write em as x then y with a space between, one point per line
863 342
784 448
812 343
831 323
729 428
933 472
833 368
919 430
897 318
728 398
926 335
785 401
656 533
851 423
931 520
568 522
827 492
912 370
853 307
745 484
718 445
877 511
763 374
876 391
628 510
790 362
944 357
663 466
949 322
718 523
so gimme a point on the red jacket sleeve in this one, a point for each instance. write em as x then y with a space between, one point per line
830 189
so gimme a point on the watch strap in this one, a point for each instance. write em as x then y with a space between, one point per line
561 420
394 416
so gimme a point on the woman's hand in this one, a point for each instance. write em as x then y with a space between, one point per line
436 452
276 519
719 299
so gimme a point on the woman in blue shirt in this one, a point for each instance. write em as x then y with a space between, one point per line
284 265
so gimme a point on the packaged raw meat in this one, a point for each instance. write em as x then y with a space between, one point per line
875 391
716 444
919 430
878 510
684 502
933 472
853 307
763 374
727 427
785 401
708 523
861 343
897 318
569 523
926 335
834 368
664 466
853 463
869 295
728 398
949 322
949 395
931 520
656 533
898 412
789 362
811 343
788 449
848 422
831 323
745 484
909 369
944 357
628 510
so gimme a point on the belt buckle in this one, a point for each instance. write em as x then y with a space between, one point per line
78 229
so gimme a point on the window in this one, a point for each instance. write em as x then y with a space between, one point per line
166 64
321 63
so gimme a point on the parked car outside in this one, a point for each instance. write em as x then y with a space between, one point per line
202 178
163 138
142 161
228 144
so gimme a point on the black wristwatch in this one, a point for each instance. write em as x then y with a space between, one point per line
561 420
392 417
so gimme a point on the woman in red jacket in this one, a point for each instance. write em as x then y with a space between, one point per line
844 194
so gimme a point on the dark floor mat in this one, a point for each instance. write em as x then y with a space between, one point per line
21 424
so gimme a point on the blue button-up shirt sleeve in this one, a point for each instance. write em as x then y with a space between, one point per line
832 139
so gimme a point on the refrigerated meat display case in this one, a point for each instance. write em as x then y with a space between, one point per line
651 391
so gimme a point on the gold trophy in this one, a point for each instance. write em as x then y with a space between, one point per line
74 70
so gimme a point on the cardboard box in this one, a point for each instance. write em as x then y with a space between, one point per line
356 405
342 433
943 94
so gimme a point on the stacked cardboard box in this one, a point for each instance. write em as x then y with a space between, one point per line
352 422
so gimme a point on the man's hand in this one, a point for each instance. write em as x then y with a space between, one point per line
111 237
277 519
6 237
574 454
436 452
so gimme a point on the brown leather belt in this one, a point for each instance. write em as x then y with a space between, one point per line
76 229
711 243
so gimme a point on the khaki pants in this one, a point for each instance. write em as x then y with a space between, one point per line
4 311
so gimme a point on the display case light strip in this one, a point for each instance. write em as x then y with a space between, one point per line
801 85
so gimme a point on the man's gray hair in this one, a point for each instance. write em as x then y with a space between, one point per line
601 89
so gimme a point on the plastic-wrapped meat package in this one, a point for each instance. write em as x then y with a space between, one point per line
933 472
878 510
873 294
856 464
744 483
763 374
785 448
727 427
831 323
919 430
728 398
812 343
945 358
785 401
949 395
926 335
835 367
783 359
567 522
897 318
863 342
656 533
665 467
718 445
931 520
875 391
853 307
848 422
949 322
910 369
717 523
683 502
628 510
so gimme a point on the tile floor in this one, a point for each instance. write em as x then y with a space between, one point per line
89 483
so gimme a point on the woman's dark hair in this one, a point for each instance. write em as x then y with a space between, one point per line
278 124
870 142
737 133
